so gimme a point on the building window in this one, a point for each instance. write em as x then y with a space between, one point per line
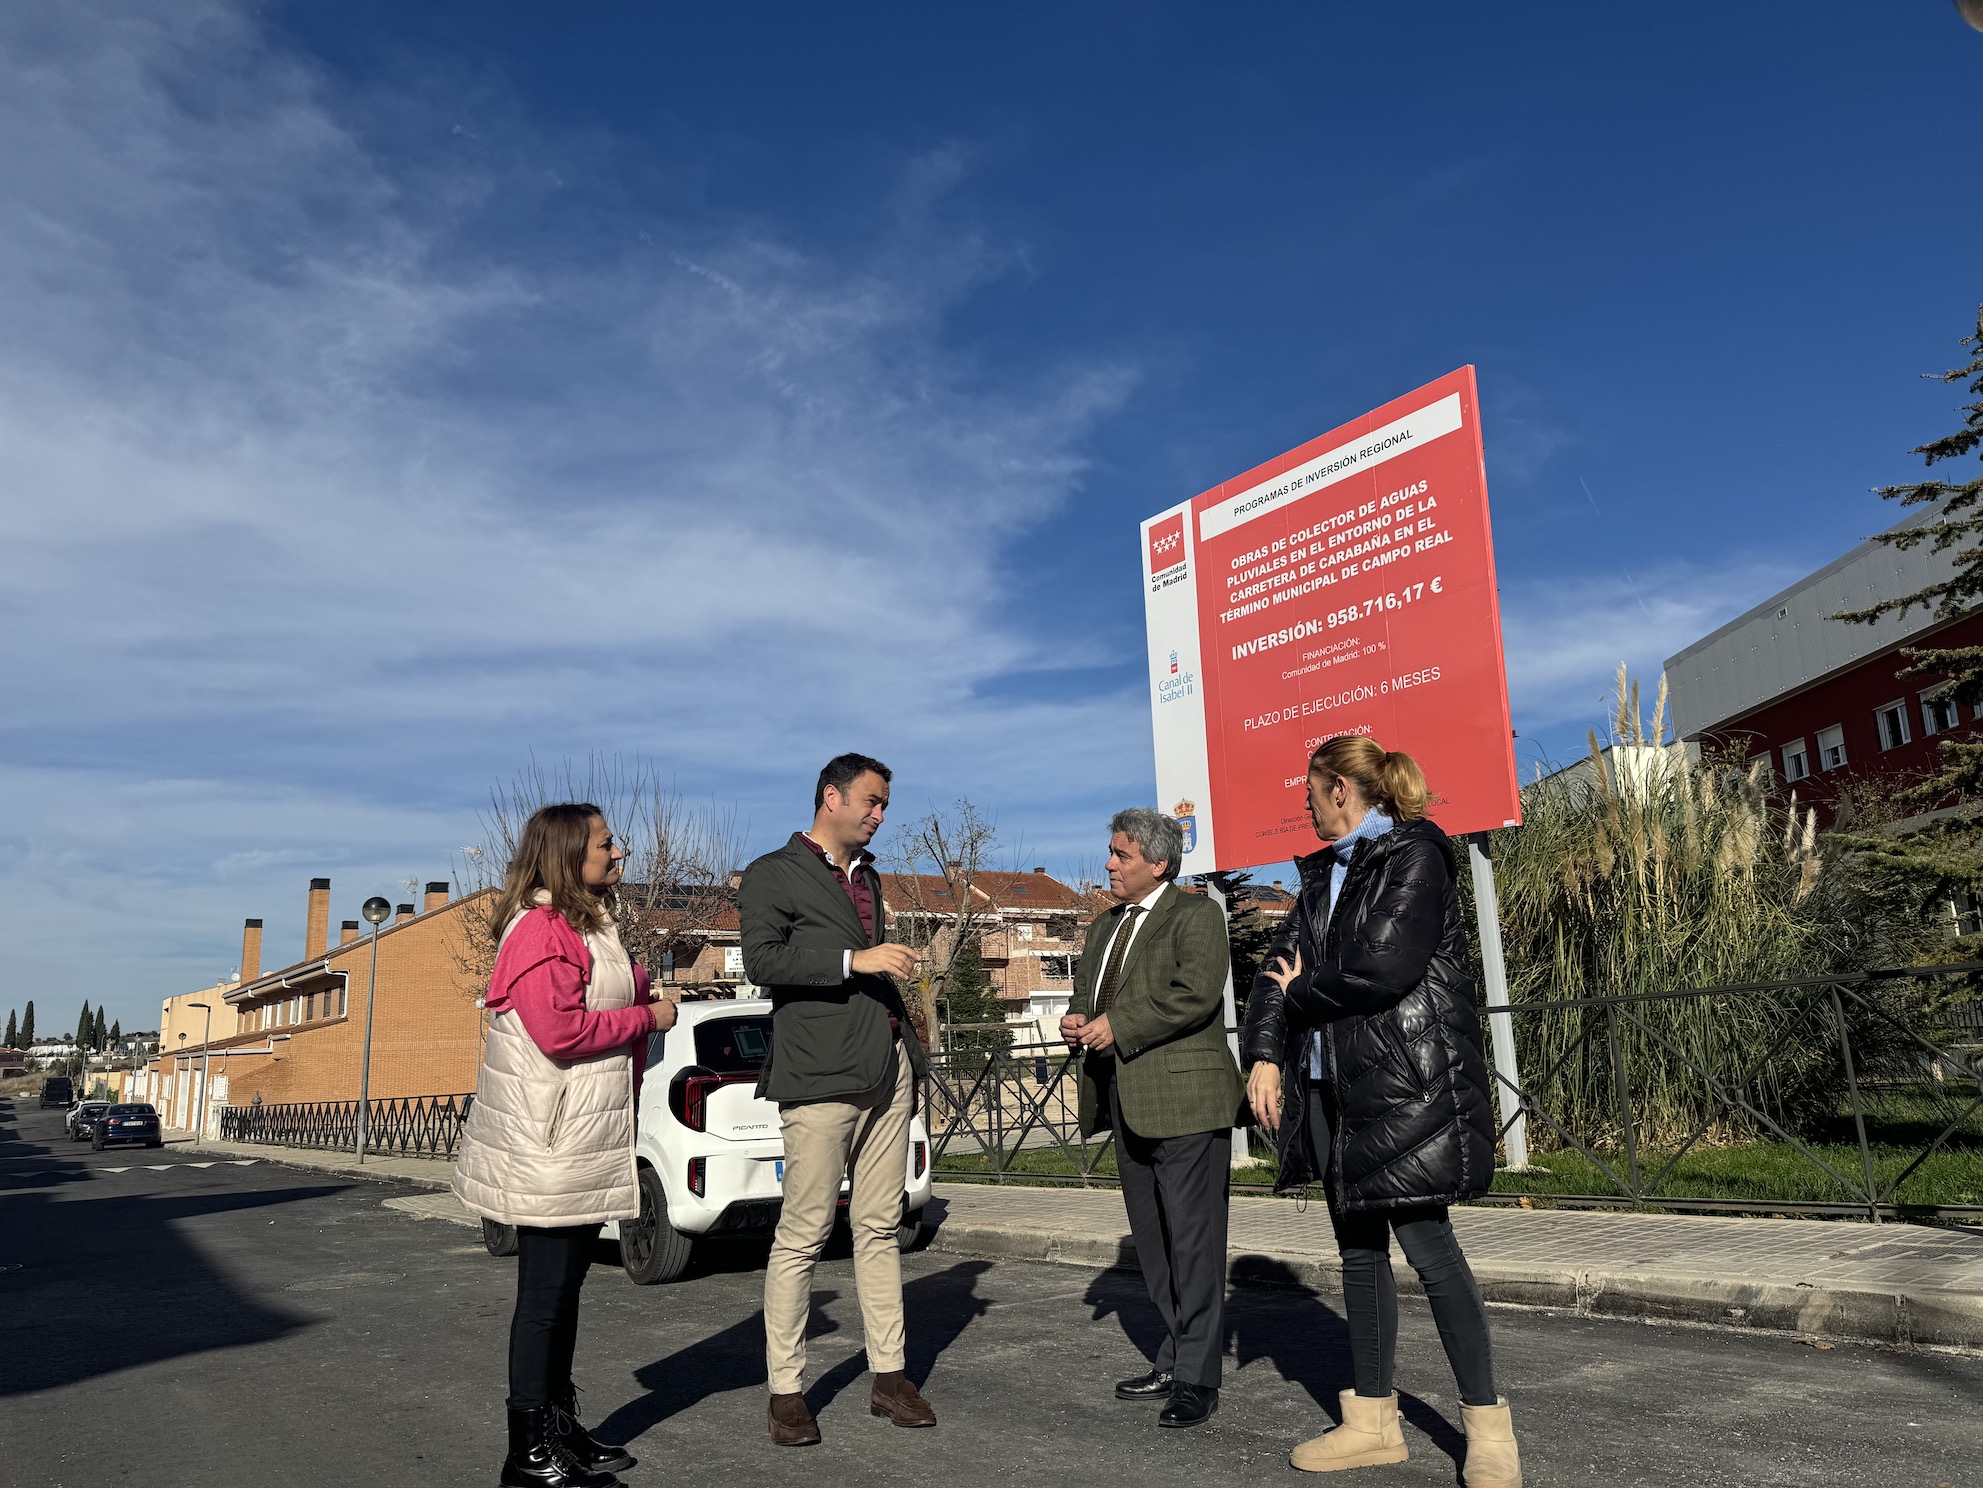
1796 763
310 1008
343 992
1831 747
1056 968
1893 725
1938 714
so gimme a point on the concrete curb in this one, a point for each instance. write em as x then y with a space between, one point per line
1924 1319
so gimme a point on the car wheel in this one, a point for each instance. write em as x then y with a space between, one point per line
651 1249
498 1239
909 1233
154 1144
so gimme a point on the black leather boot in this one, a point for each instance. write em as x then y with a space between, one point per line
538 1459
589 1450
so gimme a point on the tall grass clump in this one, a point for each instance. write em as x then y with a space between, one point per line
1643 870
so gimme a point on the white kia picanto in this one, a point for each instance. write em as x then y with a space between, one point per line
710 1156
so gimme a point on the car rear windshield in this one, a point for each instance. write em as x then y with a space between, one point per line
733 1045
132 1111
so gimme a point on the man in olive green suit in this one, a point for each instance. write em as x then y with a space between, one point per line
1147 1013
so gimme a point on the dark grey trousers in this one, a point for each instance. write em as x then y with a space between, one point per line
1175 1189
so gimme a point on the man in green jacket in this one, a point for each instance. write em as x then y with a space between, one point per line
843 1068
1148 1014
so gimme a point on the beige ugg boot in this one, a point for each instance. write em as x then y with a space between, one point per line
1492 1461
1369 1436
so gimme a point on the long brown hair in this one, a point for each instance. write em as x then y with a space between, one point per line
1388 780
551 856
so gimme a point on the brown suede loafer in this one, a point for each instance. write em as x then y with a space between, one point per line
894 1397
792 1424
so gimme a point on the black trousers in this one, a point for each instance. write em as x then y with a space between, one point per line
1370 1291
550 1269
1175 1189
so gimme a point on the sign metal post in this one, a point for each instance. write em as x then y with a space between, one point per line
1500 1025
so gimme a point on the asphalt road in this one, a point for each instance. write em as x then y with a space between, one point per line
261 1326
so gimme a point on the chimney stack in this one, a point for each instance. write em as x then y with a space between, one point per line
1039 870
347 932
316 929
251 949
402 913
437 895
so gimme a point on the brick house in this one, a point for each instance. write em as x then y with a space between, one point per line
1029 928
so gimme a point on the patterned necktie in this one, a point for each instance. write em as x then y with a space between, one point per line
1112 973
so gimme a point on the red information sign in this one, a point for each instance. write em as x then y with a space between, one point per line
1344 587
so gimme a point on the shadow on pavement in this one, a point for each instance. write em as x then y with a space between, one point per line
938 1306
114 1283
1276 1316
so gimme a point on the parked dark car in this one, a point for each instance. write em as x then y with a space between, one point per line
134 1123
57 1091
82 1115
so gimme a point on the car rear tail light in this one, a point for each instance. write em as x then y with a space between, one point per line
698 1170
922 1158
688 1093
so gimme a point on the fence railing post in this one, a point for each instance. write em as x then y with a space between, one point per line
1621 1089
1858 1112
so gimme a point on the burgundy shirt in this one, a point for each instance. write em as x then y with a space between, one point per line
855 885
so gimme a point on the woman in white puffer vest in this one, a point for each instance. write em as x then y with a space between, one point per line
549 1145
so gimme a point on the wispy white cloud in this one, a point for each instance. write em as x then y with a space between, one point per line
1564 638
323 513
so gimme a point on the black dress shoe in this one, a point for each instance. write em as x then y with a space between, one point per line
1156 1385
1191 1405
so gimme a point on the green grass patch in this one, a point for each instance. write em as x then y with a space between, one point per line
1760 1173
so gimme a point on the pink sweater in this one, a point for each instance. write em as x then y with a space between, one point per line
541 975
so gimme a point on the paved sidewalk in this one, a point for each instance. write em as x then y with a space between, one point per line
1901 1284
1906 1285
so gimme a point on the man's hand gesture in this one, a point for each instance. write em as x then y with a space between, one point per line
887 960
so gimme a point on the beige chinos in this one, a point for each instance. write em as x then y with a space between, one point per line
823 1141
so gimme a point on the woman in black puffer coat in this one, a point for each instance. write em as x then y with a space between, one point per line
1365 1057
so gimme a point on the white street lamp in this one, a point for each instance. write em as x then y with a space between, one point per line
375 910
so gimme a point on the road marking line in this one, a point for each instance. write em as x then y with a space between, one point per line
113 1170
160 1167
196 1165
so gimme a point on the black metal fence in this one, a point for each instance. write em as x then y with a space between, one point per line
1836 1096
1853 1086
413 1126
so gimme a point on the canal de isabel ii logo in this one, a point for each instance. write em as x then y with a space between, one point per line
1177 684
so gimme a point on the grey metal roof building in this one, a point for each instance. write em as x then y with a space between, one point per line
1790 641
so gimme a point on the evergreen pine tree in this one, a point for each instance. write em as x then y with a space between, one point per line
13 1030
27 1025
968 997
1249 932
85 1026
100 1034
1946 857
1958 524
117 1031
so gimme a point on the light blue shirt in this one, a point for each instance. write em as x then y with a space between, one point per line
1374 825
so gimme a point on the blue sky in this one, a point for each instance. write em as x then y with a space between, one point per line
393 395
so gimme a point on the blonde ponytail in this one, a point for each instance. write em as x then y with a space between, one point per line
1387 779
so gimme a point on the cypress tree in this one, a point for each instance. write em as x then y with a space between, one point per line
100 1034
117 1032
13 1030
27 1025
85 1026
